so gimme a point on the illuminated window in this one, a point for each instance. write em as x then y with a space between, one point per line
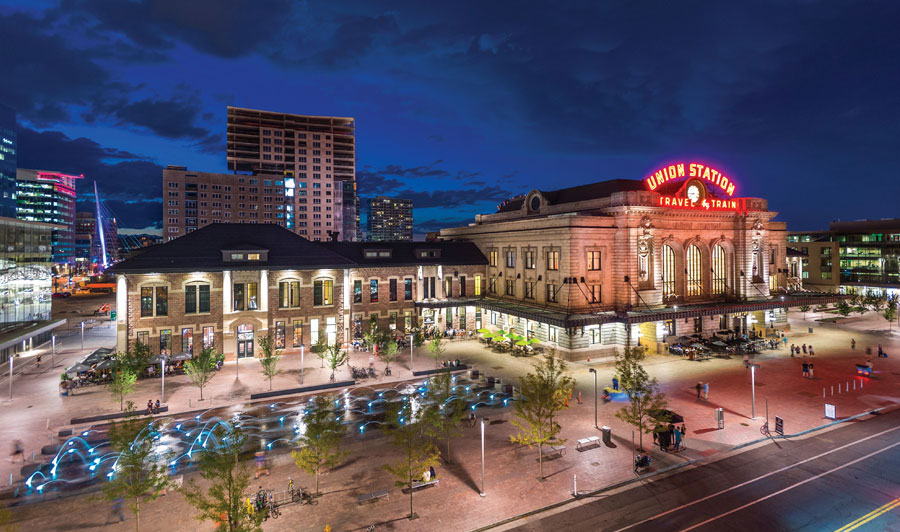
154 301
209 337
718 270
322 292
478 286
289 294
373 290
593 260
494 257
668 271
357 291
694 272
553 260
298 333
279 334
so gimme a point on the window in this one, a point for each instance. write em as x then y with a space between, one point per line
143 338
529 290
511 258
511 287
529 259
554 334
553 260
196 298
209 337
448 287
279 335
298 333
392 290
825 275
187 340
668 271
670 327
462 286
373 291
494 257
246 296
314 331
407 289
551 293
238 295
331 330
718 270
492 285
146 302
478 287
392 321
159 307
165 342
289 294
357 291
694 272
595 293
698 325
593 260
322 292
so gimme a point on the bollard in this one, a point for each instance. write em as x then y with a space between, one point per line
847 389
575 485
823 391
861 382
832 390
854 385
10 479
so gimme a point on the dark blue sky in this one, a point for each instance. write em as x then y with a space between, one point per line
460 105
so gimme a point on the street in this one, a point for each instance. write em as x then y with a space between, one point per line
845 479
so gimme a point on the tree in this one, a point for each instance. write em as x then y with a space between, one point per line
335 357
890 311
545 391
436 349
822 308
139 474
418 338
122 383
844 309
229 480
446 409
643 392
201 368
804 309
320 348
268 362
389 353
408 432
320 444
876 302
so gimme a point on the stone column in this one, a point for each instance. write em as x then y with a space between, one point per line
227 287
121 314
264 291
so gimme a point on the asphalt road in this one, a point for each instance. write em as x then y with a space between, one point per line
842 480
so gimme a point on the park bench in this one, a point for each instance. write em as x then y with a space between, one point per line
375 495
555 450
420 484
590 441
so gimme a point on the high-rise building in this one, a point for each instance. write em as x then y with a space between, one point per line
313 157
49 197
390 219
87 244
7 162
350 202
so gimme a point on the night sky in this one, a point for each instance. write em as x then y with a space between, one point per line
460 105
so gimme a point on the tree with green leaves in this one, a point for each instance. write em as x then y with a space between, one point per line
436 348
389 353
844 309
890 311
804 309
123 382
139 473
446 408
137 359
320 348
822 308
644 397
876 302
335 357
229 480
202 367
418 338
320 444
545 391
268 362
408 430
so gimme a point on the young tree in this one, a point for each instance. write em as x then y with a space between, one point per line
408 431
201 368
122 383
876 302
822 308
320 349
804 309
320 444
137 359
643 392
545 391
268 362
446 410
418 338
436 349
335 357
229 480
139 474
844 309
389 353
890 311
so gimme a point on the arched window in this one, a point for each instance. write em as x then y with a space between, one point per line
694 273
718 270
668 271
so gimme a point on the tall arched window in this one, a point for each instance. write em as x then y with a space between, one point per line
718 270
668 271
694 272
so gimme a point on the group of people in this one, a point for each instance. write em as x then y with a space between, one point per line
152 408
428 475
796 350
450 363
671 436
808 370
703 387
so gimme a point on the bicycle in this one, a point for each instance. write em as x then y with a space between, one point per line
764 430
300 495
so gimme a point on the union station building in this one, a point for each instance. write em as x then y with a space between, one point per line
585 270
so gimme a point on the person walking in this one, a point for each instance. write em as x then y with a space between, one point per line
811 371
784 339
880 351
792 350
805 370
37 360
853 344
615 382
118 509
699 389
683 436
804 349
811 352
706 391
677 433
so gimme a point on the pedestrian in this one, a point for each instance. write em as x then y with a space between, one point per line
156 407
118 509
811 352
804 349
699 388
784 339
37 360
150 407
706 391
371 360
683 437
615 382
805 370
677 439
811 371
792 350
853 344
433 473
18 450
260 460
880 350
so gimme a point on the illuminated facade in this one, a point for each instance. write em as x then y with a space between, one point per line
390 220
8 150
25 270
49 197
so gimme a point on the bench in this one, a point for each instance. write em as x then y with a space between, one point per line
375 495
420 484
555 450
590 441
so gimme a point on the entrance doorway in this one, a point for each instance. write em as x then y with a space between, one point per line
245 341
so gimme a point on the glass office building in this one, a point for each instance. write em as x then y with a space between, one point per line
7 162
49 197
25 271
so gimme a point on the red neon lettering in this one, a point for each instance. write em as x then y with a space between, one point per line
730 190
680 169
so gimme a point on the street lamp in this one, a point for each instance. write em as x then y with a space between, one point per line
411 347
301 362
753 390
163 375
592 370
53 350
82 335
482 457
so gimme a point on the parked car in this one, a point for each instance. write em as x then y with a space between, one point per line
60 295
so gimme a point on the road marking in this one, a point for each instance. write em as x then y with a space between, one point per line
869 516
742 484
792 486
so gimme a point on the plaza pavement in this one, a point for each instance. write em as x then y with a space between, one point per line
510 481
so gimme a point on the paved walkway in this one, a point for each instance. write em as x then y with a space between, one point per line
510 481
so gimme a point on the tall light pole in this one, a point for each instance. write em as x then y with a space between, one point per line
53 350
411 347
482 457
753 390
163 375
301 363
11 356
82 335
592 370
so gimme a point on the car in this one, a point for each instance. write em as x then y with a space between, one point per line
60 295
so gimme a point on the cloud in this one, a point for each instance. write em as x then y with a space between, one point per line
438 224
451 198
173 118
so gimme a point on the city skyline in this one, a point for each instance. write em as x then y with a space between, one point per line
487 109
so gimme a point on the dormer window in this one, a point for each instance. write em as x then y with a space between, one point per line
377 253
245 253
252 256
428 253
237 256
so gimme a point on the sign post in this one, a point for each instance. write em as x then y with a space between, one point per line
779 426
829 411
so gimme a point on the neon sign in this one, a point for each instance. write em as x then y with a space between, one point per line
705 203
697 170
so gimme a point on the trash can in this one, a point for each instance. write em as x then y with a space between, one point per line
720 417
607 434
810 330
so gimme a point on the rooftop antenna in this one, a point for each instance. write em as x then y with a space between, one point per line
103 259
